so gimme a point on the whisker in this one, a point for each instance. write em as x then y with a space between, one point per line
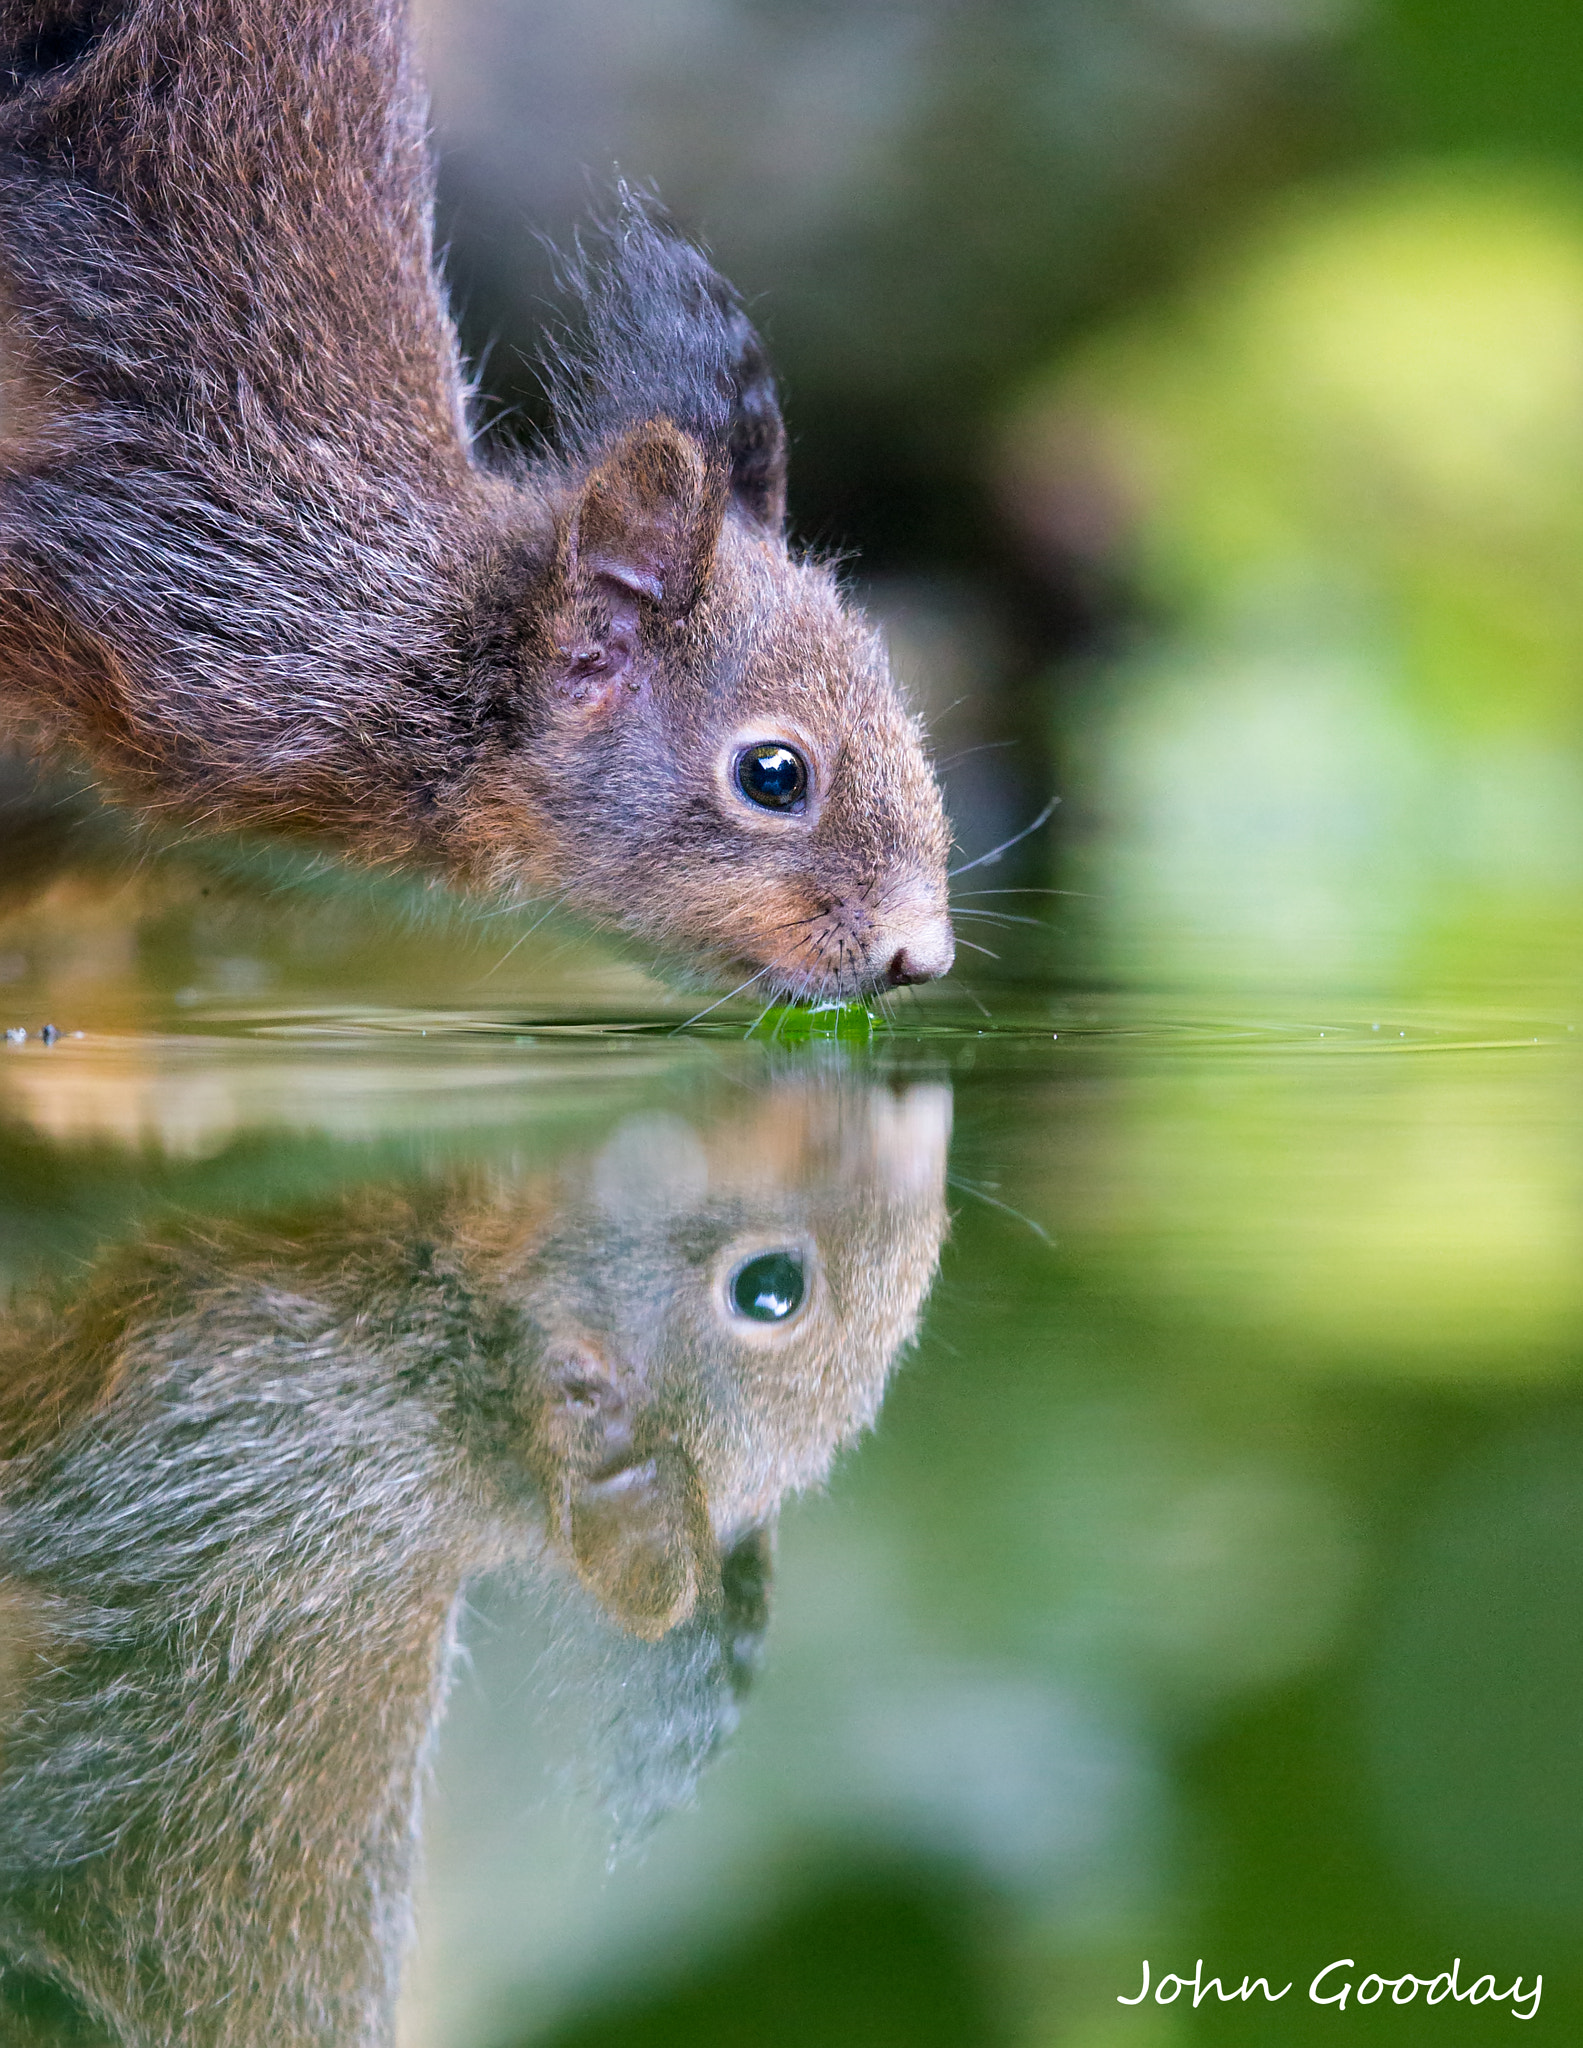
522 937
987 747
972 948
792 923
969 1188
955 704
986 859
759 1019
741 985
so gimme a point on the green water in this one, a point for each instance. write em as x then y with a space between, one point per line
1206 1586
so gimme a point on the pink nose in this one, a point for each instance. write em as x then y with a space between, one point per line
925 954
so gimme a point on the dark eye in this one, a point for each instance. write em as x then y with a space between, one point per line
773 775
769 1288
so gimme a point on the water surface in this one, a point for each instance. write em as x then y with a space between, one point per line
910 1529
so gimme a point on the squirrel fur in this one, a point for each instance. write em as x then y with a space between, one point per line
255 566
247 1471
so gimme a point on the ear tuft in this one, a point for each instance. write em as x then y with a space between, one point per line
648 518
664 336
758 436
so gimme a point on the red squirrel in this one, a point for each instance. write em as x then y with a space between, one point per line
247 1471
255 565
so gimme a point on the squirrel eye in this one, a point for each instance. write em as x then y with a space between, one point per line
769 1288
772 775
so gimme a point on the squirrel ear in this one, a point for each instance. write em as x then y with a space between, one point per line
647 519
641 1543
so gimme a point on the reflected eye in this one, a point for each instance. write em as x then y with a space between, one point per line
769 1288
772 775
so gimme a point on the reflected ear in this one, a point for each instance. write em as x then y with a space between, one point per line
641 1543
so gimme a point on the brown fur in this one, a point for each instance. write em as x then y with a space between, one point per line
231 1547
253 566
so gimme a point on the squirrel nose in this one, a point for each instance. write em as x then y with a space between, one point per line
925 956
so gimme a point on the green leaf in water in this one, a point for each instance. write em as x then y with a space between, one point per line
796 1024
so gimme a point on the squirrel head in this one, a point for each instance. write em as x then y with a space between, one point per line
714 1312
706 750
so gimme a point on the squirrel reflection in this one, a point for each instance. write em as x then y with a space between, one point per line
247 1474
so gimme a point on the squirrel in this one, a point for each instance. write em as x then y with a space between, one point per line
248 1470
257 568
